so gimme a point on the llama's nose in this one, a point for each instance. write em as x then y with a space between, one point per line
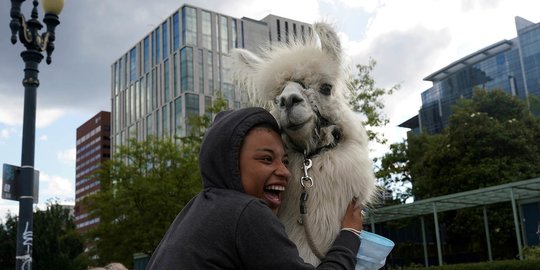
290 97
289 101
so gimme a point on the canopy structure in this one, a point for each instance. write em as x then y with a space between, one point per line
511 192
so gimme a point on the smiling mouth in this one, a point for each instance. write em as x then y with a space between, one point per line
272 195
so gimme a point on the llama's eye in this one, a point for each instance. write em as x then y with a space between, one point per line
301 84
326 89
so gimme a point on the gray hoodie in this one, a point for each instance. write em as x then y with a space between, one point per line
224 228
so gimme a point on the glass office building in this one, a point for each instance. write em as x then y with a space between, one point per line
179 68
511 65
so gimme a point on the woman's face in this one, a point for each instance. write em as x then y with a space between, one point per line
263 166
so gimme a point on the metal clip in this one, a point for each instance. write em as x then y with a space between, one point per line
306 180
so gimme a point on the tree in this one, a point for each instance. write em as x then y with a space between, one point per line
56 243
142 189
367 99
491 139
8 240
394 173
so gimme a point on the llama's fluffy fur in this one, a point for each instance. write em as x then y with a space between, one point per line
340 173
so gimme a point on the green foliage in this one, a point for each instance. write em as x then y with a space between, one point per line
367 99
495 265
394 171
532 253
142 189
491 139
56 243
8 236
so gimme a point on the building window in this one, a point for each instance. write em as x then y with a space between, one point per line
154 88
117 69
132 103
125 72
164 129
228 88
178 115
149 96
278 30
208 105
189 26
153 48
149 125
286 32
192 104
137 100
146 47
132 65
210 64
176 34
224 28
192 108
143 95
158 46
126 107
186 62
294 31
166 81
175 74
303 34
234 34
117 113
206 27
164 28
200 62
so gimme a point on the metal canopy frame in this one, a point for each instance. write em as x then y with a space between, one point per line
511 192
469 60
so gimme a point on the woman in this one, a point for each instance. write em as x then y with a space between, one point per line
232 224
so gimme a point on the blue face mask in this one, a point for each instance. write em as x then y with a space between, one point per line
373 251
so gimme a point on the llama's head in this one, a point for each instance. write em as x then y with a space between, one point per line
305 83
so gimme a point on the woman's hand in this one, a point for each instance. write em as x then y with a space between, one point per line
353 216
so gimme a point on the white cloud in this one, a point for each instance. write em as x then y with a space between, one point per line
67 156
52 186
11 113
43 138
6 133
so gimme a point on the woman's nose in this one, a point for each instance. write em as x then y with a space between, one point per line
283 171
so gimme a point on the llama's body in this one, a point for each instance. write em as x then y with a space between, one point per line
307 84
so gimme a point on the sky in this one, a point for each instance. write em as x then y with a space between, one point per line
408 39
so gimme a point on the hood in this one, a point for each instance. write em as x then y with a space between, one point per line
220 149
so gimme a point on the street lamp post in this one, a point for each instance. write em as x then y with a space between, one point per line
35 43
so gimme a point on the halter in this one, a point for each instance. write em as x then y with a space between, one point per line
320 124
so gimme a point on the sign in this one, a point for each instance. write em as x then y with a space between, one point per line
11 177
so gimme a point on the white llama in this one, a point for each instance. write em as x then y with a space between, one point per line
307 83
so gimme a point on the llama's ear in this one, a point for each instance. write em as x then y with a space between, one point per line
245 66
329 39
245 61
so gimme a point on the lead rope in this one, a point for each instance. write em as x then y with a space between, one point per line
307 183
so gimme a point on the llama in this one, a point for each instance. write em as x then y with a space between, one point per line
327 145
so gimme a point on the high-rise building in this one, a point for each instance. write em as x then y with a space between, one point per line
93 148
180 67
511 65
